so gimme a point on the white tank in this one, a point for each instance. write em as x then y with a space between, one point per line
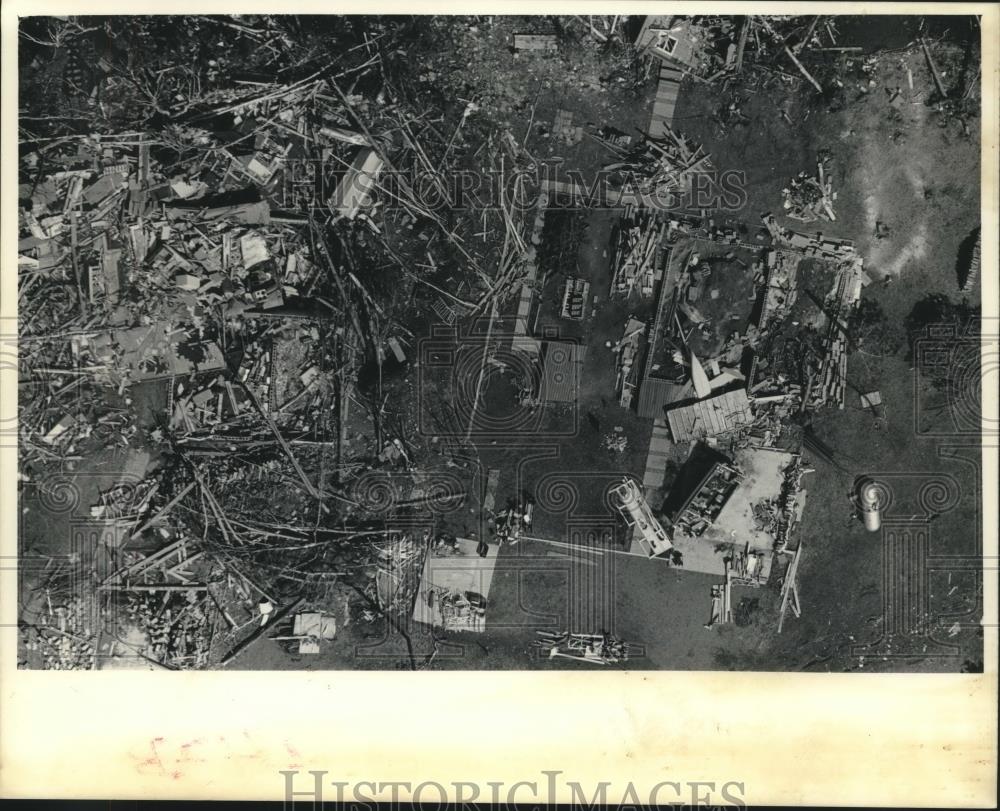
870 512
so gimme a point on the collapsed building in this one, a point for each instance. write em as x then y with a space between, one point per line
208 318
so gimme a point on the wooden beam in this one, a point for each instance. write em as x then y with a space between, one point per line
805 40
84 301
310 488
933 67
794 603
148 562
590 25
164 510
743 43
803 70
788 590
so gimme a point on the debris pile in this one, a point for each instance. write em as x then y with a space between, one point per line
460 610
829 384
810 198
693 44
629 354
745 568
640 236
175 630
616 441
777 277
575 298
209 290
601 649
662 165
63 636
399 562
310 629
791 502
511 523
564 129
808 245
707 500
722 607
612 138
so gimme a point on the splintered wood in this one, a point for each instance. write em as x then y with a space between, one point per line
831 384
640 236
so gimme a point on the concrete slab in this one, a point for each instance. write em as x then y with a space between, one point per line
763 470
454 574
698 556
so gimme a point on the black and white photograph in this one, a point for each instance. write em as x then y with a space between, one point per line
500 343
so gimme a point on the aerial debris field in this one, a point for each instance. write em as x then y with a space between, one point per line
498 342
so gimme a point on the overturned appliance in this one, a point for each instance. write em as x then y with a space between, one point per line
631 503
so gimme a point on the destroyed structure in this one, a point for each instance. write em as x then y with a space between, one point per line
225 305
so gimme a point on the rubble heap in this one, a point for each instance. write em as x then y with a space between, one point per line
635 261
662 164
206 290
810 198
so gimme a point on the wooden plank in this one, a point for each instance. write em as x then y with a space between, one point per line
694 420
148 562
704 422
310 488
164 510
673 426
805 40
788 587
716 411
689 421
933 67
803 70
729 411
743 43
